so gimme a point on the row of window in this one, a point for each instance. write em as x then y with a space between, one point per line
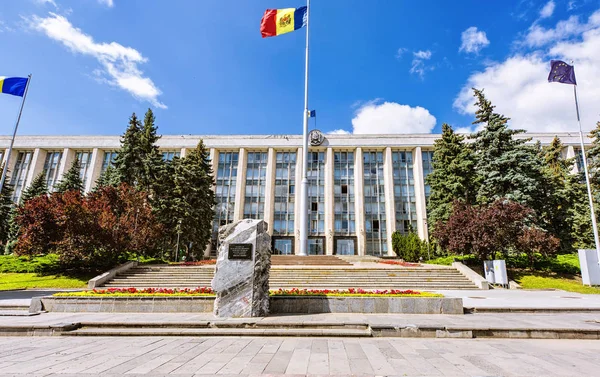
53 163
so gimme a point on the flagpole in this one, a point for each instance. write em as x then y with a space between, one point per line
304 187
12 141
587 176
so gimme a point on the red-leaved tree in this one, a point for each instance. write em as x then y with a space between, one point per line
483 230
94 231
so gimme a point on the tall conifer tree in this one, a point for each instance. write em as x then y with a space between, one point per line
6 211
72 179
507 167
453 177
37 187
129 161
151 157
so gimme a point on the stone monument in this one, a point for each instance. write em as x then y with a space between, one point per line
241 279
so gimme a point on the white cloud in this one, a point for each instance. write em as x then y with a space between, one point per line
538 36
418 66
391 118
473 40
108 3
339 132
548 9
401 51
44 2
119 63
519 88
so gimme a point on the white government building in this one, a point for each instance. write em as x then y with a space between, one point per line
362 188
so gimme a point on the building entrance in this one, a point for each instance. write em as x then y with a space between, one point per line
345 246
283 246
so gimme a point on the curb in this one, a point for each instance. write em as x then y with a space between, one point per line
299 329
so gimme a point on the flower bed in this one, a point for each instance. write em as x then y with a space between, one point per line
207 291
353 292
400 263
203 262
200 291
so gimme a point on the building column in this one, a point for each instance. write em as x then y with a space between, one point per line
95 169
420 202
182 153
270 190
329 202
65 163
297 208
240 185
359 202
571 154
14 155
36 166
390 207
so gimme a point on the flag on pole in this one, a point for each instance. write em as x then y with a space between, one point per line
561 72
13 85
280 21
312 114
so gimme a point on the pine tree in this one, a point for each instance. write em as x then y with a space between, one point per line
507 167
563 195
72 179
187 206
36 188
153 164
109 177
6 209
129 161
593 158
453 177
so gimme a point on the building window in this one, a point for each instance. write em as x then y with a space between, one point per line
427 169
316 192
109 160
1 156
51 169
404 191
283 246
256 179
225 184
20 174
374 206
343 193
85 160
285 200
316 246
170 155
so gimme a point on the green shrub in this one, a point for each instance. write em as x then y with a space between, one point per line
46 264
409 246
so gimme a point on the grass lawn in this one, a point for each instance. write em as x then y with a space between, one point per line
30 280
546 281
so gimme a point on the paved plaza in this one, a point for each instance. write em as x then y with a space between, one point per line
157 356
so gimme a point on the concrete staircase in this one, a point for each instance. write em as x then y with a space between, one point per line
303 276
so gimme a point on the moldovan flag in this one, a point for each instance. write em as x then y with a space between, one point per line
13 85
280 21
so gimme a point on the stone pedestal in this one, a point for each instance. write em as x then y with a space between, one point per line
241 279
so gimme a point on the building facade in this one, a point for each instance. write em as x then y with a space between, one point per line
362 188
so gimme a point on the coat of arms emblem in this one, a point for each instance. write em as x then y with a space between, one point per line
285 20
316 138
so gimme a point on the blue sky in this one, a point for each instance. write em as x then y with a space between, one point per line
379 66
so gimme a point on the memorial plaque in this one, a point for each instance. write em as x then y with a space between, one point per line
240 251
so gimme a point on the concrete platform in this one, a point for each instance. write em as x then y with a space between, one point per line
487 325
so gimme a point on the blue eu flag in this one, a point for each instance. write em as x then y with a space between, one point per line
561 72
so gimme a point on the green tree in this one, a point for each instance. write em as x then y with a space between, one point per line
129 161
453 177
72 179
6 211
187 205
109 177
593 158
561 192
507 167
36 188
152 161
